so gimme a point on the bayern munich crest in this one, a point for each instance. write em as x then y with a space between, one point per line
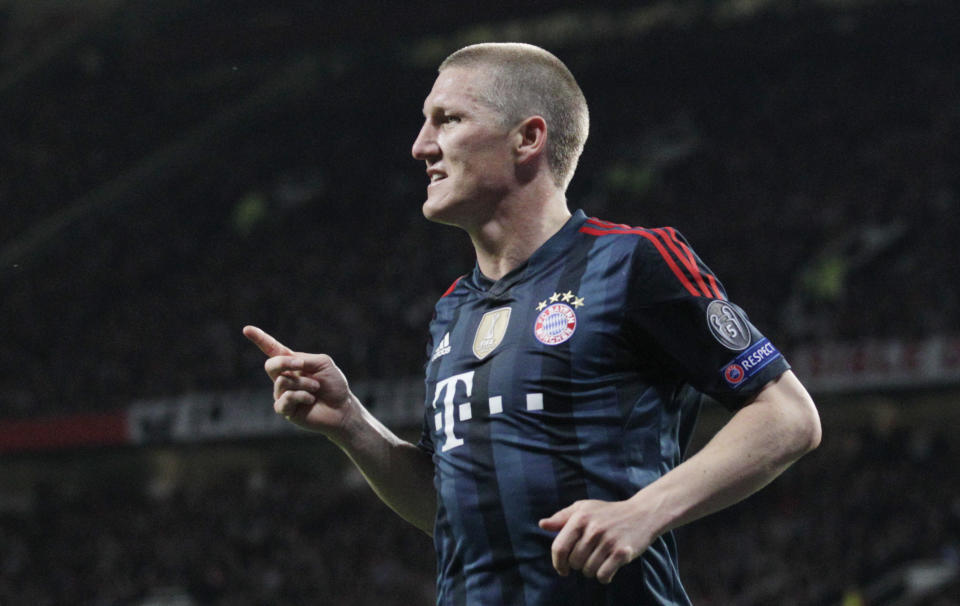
555 324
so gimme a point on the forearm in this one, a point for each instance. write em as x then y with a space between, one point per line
759 443
399 473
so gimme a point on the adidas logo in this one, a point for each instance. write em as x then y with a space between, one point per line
443 348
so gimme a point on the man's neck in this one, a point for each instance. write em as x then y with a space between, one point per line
515 232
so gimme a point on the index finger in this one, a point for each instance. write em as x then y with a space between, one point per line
265 342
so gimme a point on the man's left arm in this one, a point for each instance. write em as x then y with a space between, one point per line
756 445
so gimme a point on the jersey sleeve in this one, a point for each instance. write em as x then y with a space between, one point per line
684 325
426 436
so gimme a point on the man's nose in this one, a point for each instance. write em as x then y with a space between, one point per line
425 145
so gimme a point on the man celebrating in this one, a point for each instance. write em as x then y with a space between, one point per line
565 372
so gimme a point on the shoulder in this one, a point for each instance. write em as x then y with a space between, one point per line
661 259
444 311
452 287
663 241
452 296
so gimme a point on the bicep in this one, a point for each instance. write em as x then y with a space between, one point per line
784 409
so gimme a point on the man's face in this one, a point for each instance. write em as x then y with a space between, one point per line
466 149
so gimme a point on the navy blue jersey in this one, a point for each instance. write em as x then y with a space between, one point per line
576 376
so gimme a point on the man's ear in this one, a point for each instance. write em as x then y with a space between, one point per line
531 139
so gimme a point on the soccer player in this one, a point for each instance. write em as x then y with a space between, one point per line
564 372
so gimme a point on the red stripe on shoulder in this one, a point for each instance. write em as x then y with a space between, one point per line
685 256
646 233
452 286
602 223
694 266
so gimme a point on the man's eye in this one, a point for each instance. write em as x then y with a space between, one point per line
449 119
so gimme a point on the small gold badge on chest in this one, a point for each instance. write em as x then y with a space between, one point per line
490 332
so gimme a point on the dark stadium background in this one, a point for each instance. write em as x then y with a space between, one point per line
171 171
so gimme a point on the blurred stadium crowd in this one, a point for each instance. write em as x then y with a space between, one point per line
873 498
171 173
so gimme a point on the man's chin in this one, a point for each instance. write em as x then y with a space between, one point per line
438 212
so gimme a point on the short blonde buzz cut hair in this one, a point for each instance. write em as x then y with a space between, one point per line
528 81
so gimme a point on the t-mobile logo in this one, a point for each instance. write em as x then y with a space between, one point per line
447 390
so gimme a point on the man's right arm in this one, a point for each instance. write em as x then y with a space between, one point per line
399 472
311 392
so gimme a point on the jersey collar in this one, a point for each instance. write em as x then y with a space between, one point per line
554 247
